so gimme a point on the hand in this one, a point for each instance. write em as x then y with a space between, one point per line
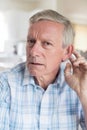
77 79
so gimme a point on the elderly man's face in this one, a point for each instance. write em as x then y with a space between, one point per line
44 48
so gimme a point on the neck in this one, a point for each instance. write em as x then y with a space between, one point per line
44 81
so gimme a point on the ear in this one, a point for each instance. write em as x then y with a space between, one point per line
68 52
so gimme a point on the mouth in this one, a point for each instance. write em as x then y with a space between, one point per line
36 63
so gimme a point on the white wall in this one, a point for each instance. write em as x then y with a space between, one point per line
17 22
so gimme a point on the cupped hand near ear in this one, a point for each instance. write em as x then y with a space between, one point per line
76 74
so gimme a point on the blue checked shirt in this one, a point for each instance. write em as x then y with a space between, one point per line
26 106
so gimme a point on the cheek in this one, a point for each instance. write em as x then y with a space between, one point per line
54 61
56 57
27 51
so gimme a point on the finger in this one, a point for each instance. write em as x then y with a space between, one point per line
68 70
72 58
80 61
76 61
77 54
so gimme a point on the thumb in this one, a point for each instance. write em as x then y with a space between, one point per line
70 77
68 70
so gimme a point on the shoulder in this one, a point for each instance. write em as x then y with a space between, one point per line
10 78
12 74
15 70
18 68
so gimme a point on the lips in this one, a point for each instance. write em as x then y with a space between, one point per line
36 63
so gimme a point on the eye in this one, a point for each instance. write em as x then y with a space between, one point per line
47 44
31 42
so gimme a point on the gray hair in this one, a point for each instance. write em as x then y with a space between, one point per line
51 15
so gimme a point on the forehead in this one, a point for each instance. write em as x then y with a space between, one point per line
47 27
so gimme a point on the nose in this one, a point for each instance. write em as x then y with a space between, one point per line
36 49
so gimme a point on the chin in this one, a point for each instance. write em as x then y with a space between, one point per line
36 74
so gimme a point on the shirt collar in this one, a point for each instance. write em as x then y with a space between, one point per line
60 78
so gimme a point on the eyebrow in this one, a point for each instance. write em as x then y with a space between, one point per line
29 37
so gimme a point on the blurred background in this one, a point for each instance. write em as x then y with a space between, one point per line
14 16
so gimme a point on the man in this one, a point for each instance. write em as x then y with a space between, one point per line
49 91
